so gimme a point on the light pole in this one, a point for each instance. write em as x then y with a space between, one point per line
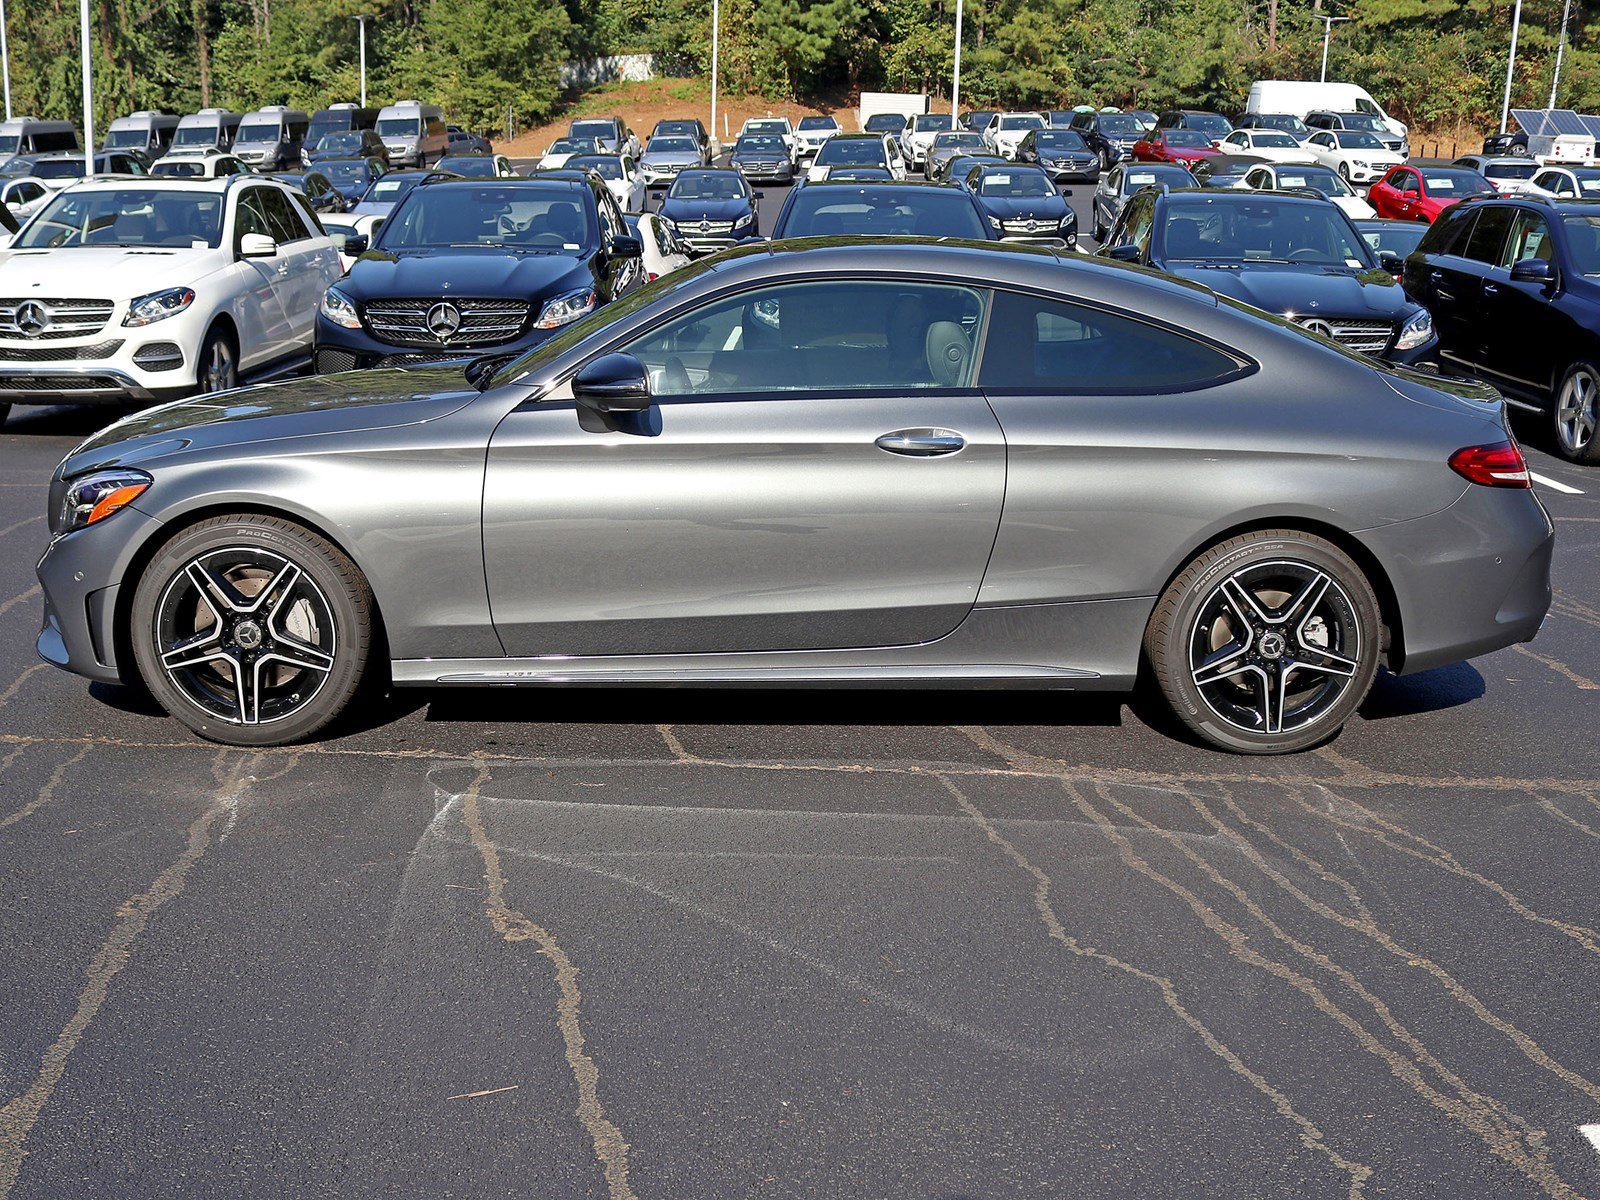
5 59
955 83
362 21
1561 44
1327 35
1511 62
716 29
88 90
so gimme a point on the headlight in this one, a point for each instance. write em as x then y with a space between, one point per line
340 309
95 497
1070 221
1416 331
995 222
564 310
744 220
157 306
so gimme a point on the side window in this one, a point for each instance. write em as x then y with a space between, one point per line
1564 186
309 214
252 216
1140 222
1448 234
611 222
1488 235
1406 182
286 225
1036 344
827 336
1530 238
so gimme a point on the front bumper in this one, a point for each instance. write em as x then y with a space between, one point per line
1066 241
337 349
1366 174
112 366
762 172
661 176
701 244
1083 171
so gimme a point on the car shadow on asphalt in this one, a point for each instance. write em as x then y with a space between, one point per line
1425 692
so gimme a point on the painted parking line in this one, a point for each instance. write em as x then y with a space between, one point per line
1592 1132
1555 484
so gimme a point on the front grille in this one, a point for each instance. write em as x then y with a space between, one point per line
59 383
62 318
159 356
704 229
482 322
1368 337
1035 227
331 362
417 360
59 353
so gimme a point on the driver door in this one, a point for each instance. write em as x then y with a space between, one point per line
816 471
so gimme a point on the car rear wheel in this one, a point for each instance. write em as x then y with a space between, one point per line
1267 643
252 630
1577 413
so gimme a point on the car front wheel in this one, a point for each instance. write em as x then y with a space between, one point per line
1577 413
219 363
252 630
1266 643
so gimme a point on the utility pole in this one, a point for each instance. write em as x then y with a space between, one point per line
88 89
362 21
1555 80
955 83
716 29
1327 36
1511 62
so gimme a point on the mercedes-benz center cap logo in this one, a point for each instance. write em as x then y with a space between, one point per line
1317 326
33 318
444 320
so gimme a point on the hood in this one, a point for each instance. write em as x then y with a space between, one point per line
488 274
758 156
1020 208
683 211
661 158
1190 154
319 404
119 272
1306 291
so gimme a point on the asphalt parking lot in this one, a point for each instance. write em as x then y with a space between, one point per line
800 944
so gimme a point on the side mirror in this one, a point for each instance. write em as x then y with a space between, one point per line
613 383
257 245
623 246
354 243
1532 270
1392 262
1066 191
1127 252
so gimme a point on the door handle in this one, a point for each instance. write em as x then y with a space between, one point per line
1490 289
1436 276
922 443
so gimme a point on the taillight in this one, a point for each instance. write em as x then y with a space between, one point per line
1498 465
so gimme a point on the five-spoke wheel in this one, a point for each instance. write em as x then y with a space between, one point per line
1577 414
251 630
1266 643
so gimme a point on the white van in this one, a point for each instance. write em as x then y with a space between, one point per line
208 129
29 135
1297 97
270 138
144 132
414 133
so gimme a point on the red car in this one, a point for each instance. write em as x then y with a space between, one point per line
1182 146
1410 193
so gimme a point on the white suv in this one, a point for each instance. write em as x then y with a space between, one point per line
119 290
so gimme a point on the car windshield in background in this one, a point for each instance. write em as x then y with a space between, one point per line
345 170
1266 230
1024 121
594 129
707 185
400 127
677 129
1276 141
1362 121
1016 183
261 131
472 166
1209 124
860 152
1316 179
1059 139
673 145
124 139
760 143
605 166
823 211
513 216
339 143
1588 182
126 217
770 128
568 145
1175 177
935 123
1290 125
180 168
885 123
1442 181
810 124
1355 139
1398 238
58 168
1511 170
1188 138
195 135
1120 125
1583 243
11 143
958 139
391 187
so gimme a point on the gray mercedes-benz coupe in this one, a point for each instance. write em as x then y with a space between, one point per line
890 463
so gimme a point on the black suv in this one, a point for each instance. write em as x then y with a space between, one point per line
1514 292
1110 135
1214 125
468 267
1292 255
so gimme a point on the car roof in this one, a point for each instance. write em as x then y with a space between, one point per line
864 135
171 184
880 185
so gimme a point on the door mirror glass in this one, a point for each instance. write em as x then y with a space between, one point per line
613 383
1531 270
623 246
1127 252
257 245
1391 262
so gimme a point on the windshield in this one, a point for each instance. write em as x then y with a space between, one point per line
1317 179
946 140
1398 238
1583 243
810 124
10 143
861 152
1588 182
1119 125
58 168
873 210
1138 177
514 216
126 217
760 144
778 127
1511 170
1059 139
1266 231
885 123
1283 121
344 170
180 168
707 185
593 129
196 135
391 187
1356 140
321 127
1362 121
568 145
1016 183
124 139
673 145
606 166
1442 181
676 129
1024 121
400 127
1191 139
1276 141
934 123
476 166
1209 124
339 143
258 131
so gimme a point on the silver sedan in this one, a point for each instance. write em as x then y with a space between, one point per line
892 464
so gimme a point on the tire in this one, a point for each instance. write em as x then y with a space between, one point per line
261 593
1252 614
1105 159
5 411
218 367
1575 414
